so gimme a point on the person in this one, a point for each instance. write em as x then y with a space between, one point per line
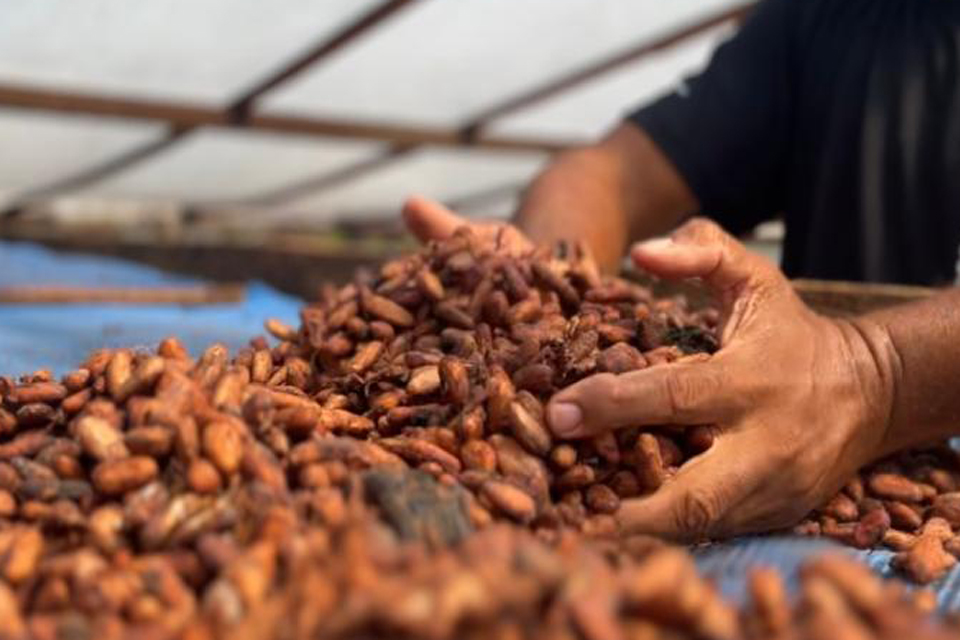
844 117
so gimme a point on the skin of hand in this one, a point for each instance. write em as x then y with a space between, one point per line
429 220
798 401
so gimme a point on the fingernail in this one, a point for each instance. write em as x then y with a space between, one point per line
657 245
565 418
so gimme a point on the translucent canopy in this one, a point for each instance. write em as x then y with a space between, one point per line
431 64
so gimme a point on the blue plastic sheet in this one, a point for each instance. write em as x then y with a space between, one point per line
59 337
728 563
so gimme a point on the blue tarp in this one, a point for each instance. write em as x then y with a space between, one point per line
59 337
729 563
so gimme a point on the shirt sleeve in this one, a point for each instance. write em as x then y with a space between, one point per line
726 129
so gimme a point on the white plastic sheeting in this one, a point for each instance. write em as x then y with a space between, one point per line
198 50
445 174
442 61
435 63
590 110
36 147
219 165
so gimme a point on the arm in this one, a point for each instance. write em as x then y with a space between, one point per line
623 188
620 189
799 401
921 341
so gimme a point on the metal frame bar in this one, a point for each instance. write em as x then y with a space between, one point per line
189 116
238 108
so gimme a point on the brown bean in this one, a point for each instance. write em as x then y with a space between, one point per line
118 476
479 455
99 438
222 444
509 500
894 487
46 392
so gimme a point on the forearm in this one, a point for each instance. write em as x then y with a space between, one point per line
919 345
619 190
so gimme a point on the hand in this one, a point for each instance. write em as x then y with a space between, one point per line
799 401
429 220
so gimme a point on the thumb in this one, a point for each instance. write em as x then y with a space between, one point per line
701 249
430 220
705 499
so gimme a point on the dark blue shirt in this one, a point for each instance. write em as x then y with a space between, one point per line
843 116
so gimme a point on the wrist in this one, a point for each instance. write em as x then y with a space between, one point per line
879 371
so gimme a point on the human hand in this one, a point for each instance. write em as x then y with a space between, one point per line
430 220
798 401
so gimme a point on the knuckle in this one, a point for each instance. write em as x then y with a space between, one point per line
680 394
698 228
697 513
609 387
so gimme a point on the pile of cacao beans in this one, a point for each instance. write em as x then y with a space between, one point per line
505 583
447 357
909 503
385 470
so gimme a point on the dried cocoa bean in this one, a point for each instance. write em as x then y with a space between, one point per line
453 315
947 506
36 414
479 455
509 500
223 445
500 394
926 560
535 378
898 540
528 428
118 476
871 528
22 554
45 392
202 476
454 379
620 358
99 438
419 451
894 487
172 349
424 381
903 516
602 499
650 469
842 508
365 357
385 309
563 456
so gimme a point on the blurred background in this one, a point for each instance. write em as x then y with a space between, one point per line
238 139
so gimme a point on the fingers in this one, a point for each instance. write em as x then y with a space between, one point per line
677 394
711 496
430 220
701 249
